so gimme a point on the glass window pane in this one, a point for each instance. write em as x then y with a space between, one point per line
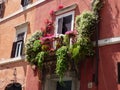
66 86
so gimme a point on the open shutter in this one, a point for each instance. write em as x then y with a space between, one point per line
60 25
13 50
2 7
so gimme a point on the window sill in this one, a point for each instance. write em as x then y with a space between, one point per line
12 60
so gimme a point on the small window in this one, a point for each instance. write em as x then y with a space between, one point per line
64 23
25 2
18 45
118 67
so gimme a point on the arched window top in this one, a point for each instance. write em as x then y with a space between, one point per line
13 86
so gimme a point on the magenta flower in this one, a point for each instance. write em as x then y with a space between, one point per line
71 33
47 39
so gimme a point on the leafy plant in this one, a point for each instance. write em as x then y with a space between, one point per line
40 58
96 6
61 65
39 45
32 47
85 24
36 45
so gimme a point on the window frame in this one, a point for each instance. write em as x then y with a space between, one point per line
64 15
25 3
22 28
50 82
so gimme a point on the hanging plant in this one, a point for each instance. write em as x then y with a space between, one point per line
40 58
61 65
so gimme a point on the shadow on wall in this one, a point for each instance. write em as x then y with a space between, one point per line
108 67
109 18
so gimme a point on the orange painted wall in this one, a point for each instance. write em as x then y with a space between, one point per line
7 37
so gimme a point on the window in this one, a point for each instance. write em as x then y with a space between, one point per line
64 22
13 86
70 83
118 68
25 2
18 44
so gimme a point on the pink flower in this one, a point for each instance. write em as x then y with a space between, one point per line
60 7
52 12
71 33
47 39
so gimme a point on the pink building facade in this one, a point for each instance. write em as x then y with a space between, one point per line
19 22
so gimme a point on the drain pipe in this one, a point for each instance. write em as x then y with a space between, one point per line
97 54
96 46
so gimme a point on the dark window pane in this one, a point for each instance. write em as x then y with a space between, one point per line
60 25
13 86
20 36
118 72
66 24
66 86
25 2
2 9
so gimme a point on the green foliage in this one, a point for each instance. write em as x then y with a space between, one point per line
61 65
82 47
36 45
66 40
85 24
96 6
40 58
75 52
32 47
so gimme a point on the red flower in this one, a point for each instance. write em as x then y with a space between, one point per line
60 7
